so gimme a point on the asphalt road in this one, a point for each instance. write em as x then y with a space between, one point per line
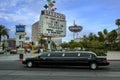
15 70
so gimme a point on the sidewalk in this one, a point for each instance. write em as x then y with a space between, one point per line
15 56
111 55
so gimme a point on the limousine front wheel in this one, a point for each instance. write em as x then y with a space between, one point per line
29 64
93 66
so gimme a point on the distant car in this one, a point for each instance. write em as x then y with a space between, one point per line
67 58
1 52
13 51
28 50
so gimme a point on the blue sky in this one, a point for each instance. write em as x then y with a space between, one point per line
93 15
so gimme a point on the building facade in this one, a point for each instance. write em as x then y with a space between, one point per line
35 33
11 43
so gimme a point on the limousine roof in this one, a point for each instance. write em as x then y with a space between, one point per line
71 52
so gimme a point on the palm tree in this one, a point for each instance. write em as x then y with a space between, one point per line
105 31
43 43
3 32
91 36
112 37
105 34
118 23
101 36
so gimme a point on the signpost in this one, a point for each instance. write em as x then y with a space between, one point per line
20 35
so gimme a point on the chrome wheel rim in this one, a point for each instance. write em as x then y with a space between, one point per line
29 64
93 66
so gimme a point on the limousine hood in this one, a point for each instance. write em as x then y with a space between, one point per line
101 56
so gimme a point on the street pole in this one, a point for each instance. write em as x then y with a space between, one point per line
49 43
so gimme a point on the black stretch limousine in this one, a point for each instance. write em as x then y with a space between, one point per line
67 58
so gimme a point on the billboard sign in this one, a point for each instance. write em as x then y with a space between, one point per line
52 24
20 28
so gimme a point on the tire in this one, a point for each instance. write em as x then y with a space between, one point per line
93 66
29 64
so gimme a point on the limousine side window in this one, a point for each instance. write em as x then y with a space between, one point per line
93 56
63 54
84 55
48 54
71 54
44 55
78 54
56 55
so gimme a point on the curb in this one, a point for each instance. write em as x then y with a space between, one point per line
114 60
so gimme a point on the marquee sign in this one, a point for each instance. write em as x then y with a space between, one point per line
52 24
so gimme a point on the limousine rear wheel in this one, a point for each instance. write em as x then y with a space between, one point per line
29 64
93 66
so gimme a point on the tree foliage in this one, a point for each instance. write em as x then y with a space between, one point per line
112 36
117 22
3 32
96 43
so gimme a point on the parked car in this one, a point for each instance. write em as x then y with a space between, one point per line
1 51
28 50
13 51
67 58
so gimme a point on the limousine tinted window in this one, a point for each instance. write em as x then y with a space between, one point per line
44 55
56 55
71 54
84 55
92 55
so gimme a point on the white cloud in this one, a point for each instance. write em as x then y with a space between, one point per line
11 17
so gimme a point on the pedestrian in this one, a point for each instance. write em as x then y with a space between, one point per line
38 51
